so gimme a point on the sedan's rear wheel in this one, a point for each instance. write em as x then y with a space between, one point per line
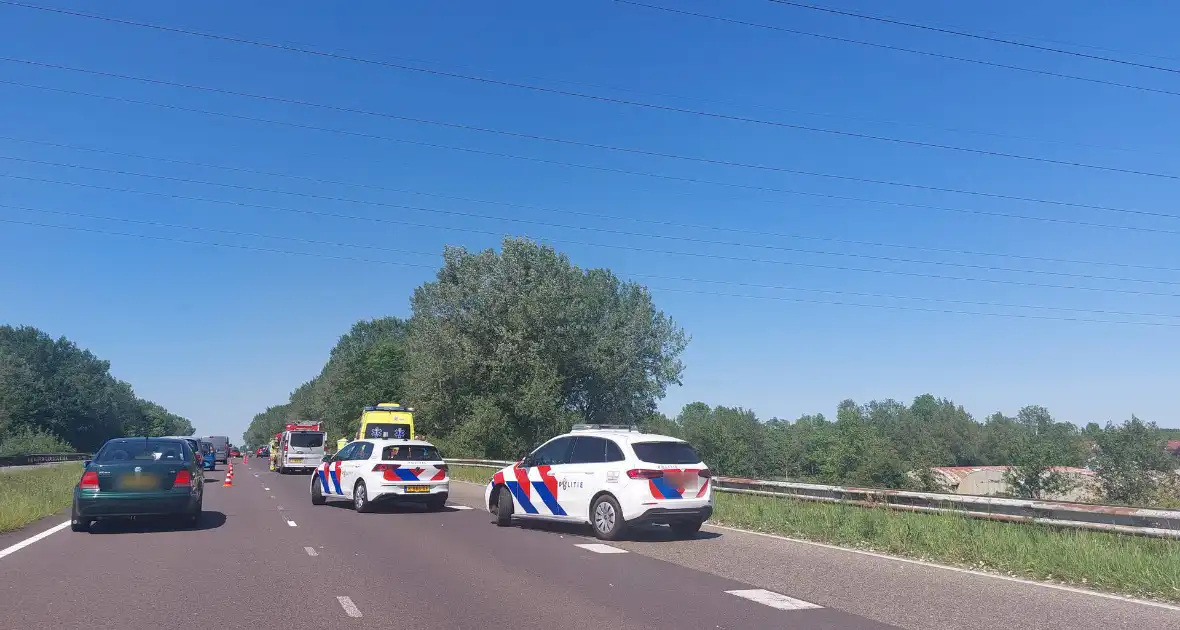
607 518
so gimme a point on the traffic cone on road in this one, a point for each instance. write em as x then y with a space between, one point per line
229 479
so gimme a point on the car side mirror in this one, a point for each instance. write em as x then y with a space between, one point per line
326 458
86 463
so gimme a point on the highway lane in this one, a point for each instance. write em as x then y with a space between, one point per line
906 594
269 558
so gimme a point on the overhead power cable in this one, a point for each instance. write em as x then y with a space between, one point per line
675 290
693 180
986 38
925 53
744 119
481 79
401 250
693 254
594 215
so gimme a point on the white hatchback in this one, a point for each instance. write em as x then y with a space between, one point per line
367 472
608 476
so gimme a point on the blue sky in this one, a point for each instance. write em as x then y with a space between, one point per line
218 334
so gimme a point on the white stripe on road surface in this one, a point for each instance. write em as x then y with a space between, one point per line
460 507
350 608
597 548
292 523
32 539
774 600
311 552
265 488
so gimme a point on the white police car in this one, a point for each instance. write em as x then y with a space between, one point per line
610 476
367 472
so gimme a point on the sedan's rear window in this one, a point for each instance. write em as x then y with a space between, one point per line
410 453
141 450
302 439
666 453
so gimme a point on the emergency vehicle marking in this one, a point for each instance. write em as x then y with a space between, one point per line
661 490
408 474
334 474
705 486
520 491
322 476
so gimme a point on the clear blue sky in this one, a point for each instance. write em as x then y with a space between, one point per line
218 334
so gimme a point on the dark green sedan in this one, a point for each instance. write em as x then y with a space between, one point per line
139 477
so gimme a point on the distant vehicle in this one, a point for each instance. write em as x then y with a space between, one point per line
208 458
233 452
220 445
301 447
369 472
139 476
609 476
388 421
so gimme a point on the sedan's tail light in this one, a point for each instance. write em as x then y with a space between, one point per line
183 479
387 471
704 472
645 474
89 481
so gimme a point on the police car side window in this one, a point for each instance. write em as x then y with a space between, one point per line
613 452
554 453
588 450
363 451
345 453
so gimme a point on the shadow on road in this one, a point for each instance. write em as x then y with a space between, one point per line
635 533
146 524
395 508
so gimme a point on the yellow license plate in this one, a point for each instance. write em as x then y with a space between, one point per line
133 482
296 460
417 489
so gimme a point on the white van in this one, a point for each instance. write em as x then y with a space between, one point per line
301 447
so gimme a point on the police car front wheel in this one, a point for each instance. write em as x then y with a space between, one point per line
607 518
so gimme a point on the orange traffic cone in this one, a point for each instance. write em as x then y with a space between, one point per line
229 479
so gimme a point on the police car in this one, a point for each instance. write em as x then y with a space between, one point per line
368 472
609 476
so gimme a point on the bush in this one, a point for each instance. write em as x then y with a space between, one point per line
28 441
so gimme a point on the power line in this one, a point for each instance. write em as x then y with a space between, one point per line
594 215
989 195
566 226
948 31
695 292
861 42
402 250
717 115
469 77
589 244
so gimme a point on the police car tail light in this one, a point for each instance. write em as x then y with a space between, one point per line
442 467
89 481
645 474
704 472
183 479
387 471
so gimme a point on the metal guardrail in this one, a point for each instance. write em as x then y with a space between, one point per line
1108 518
34 459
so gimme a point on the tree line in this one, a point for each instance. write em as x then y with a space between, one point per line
504 350
56 397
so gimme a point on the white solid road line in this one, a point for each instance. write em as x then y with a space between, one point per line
774 600
32 539
310 551
600 548
350 608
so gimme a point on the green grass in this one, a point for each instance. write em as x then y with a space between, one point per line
28 494
1140 567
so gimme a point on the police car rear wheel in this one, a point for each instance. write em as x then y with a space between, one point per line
607 518
360 498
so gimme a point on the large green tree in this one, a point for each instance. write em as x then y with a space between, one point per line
508 349
54 393
1131 462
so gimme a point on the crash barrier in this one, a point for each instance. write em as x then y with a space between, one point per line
33 459
1109 518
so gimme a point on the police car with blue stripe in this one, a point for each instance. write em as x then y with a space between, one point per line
373 471
610 476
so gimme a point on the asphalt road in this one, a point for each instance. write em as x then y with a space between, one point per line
263 555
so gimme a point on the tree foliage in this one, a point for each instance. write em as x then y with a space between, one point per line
55 395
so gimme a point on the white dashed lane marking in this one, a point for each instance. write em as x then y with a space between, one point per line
265 488
460 507
599 548
310 551
350 608
774 600
292 523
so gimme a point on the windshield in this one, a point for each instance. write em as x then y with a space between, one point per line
128 450
410 453
306 439
206 448
666 453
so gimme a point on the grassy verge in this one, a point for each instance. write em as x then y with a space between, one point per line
1140 567
28 494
